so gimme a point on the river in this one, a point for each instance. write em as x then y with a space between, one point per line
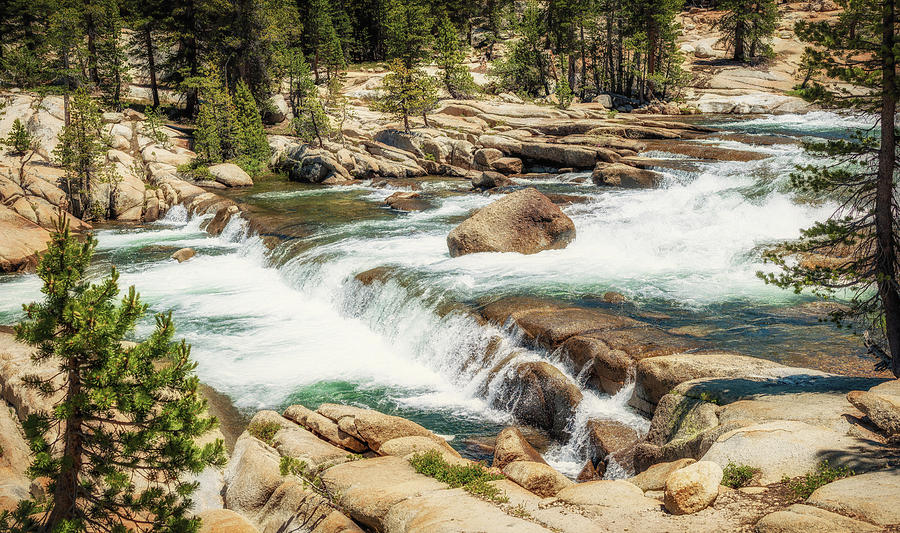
291 324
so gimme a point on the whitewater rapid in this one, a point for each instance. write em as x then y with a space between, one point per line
267 332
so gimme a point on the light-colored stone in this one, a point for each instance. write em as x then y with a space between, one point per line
525 221
692 488
224 521
789 448
539 478
23 241
654 478
511 446
881 404
872 496
607 495
184 254
799 518
622 175
230 175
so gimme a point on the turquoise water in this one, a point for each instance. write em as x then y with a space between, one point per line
291 324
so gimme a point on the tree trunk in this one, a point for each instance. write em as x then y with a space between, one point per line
65 496
886 253
92 48
151 64
739 41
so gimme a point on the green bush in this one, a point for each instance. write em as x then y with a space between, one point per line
737 476
472 478
824 474
264 431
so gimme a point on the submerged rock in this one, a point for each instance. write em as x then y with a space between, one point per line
406 201
489 180
525 221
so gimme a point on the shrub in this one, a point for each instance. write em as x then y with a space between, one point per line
472 478
824 474
264 431
737 476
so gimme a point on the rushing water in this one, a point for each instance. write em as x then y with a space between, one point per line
270 328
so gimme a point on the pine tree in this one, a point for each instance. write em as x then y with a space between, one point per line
859 49
23 144
128 417
112 60
406 92
525 68
215 139
449 57
81 152
747 26
408 29
252 146
311 122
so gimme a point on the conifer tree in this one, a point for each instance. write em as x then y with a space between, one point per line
81 152
215 136
860 50
406 92
311 122
128 417
408 29
252 146
22 144
449 57
747 26
112 68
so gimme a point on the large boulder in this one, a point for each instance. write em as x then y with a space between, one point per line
563 155
656 376
511 446
252 475
540 395
230 175
22 242
507 165
525 221
486 156
276 110
489 180
654 478
692 488
871 496
315 166
881 404
378 428
606 437
539 478
622 175
790 448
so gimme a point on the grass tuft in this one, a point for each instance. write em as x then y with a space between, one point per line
824 474
264 431
472 478
737 476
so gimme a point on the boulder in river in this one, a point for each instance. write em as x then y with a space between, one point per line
489 180
540 395
525 221
622 175
184 254
511 446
